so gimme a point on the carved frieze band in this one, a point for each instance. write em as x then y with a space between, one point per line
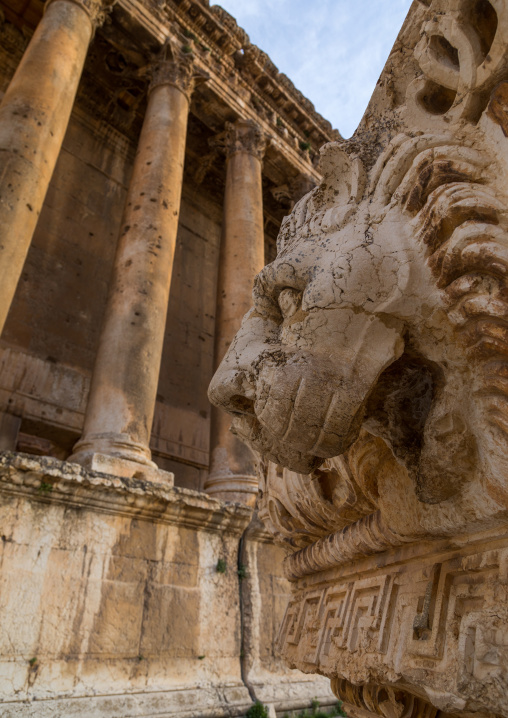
438 624
176 66
241 136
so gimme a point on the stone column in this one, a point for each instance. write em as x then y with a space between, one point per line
122 395
34 115
232 470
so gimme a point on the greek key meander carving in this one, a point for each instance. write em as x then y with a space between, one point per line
371 379
441 624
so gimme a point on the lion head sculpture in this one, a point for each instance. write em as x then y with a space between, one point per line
381 328
384 312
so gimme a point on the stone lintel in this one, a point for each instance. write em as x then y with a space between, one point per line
286 137
216 27
52 481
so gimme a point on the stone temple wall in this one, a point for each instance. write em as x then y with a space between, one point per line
113 601
55 318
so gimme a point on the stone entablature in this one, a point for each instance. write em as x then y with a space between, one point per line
432 614
219 30
372 372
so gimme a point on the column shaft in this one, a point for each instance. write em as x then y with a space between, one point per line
124 385
34 115
232 471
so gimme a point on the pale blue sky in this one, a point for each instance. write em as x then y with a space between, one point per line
333 50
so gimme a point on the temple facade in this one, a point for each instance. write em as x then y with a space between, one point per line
253 376
149 153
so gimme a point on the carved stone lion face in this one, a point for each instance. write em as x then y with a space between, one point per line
353 324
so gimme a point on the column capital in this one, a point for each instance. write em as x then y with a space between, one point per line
175 65
97 10
242 136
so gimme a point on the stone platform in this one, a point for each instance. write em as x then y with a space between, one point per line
112 605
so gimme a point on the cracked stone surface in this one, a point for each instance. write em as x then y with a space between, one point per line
370 377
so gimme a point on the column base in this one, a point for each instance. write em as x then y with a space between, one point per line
240 489
125 469
117 455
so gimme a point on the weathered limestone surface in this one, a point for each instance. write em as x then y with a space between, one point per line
34 114
110 583
112 586
372 371
233 475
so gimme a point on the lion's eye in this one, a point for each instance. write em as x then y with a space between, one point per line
289 302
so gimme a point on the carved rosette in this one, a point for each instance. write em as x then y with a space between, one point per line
97 10
176 66
242 136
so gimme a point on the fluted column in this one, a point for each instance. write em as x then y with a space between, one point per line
123 391
34 115
232 470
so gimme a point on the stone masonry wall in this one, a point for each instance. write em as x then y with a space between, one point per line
112 604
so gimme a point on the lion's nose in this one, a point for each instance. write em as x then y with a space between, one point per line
229 390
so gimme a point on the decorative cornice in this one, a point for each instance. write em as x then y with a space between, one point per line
219 31
241 136
175 66
48 480
367 536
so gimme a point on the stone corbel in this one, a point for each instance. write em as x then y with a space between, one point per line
381 701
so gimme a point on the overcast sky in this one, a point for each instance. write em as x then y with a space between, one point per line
333 50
